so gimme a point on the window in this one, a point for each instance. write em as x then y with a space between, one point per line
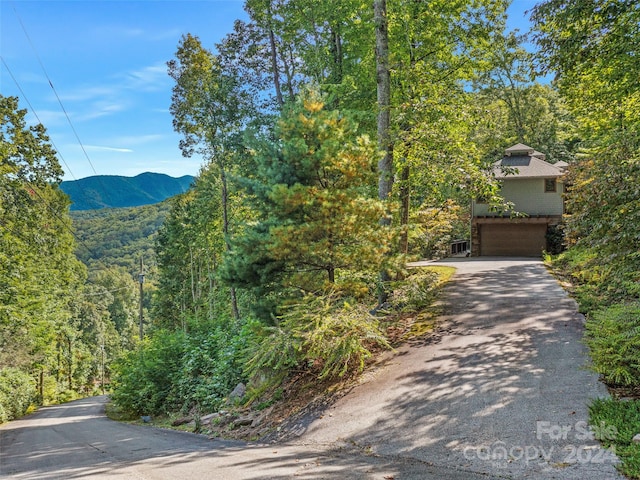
549 184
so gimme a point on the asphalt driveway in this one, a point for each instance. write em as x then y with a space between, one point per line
500 390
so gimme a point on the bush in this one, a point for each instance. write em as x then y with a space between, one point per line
176 371
420 289
143 380
613 336
17 393
322 333
211 368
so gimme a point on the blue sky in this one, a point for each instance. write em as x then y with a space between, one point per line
107 62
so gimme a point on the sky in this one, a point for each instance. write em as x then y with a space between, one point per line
106 60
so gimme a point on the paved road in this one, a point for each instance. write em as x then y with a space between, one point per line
499 392
76 440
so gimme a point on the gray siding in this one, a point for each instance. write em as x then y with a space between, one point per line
529 197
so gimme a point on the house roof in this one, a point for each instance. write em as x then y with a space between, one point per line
522 161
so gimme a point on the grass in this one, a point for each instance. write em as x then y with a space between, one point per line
114 412
414 309
615 423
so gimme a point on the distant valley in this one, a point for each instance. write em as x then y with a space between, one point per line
113 191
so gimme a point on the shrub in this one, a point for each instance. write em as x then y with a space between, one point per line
211 367
613 336
143 380
324 333
17 393
420 289
176 371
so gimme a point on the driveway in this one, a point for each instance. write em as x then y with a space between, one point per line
501 389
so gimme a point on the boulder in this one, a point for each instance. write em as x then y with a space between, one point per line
243 421
181 421
238 392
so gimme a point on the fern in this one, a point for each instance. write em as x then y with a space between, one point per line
321 332
613 337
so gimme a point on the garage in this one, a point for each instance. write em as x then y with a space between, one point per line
512 239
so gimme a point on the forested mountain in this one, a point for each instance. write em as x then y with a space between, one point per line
118 236
114 191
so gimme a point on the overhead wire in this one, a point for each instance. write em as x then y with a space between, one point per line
35 113
43 200
44 70
34 188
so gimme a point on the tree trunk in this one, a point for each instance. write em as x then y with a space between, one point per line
274 59
225 229
405 197
383 77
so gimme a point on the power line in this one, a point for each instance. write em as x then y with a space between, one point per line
44 70
24 95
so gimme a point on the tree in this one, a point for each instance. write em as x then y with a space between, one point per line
516 109
385 164
592 47
318 222
39 274
211 110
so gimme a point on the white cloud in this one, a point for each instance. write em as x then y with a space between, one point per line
107 149
100 109
147 78
138 139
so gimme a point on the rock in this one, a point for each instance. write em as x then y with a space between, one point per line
261 418
225 420
181 421
145 418
243 421
207 418
636 438
238 392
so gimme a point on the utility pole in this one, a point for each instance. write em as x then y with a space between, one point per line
141 280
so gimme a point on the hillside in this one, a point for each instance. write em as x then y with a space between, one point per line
114 191
118 236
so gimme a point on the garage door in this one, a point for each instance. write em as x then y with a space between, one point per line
512 239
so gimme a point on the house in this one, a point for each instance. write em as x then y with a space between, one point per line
535 188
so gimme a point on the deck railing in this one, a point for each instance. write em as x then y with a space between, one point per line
459 247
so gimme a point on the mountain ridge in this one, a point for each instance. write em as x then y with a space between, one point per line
117 191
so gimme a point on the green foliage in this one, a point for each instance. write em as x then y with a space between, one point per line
118 237
318 217
613 337
615 423
432 229
40 279
190 246
589 47
143 379
328 334
174 371
17 393
419 289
